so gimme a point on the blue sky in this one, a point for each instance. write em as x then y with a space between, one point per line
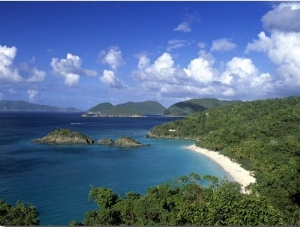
81 54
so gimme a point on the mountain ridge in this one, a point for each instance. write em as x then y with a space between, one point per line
128 109
20 105
191 106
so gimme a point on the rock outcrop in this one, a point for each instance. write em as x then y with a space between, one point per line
106 141
126 141
64 136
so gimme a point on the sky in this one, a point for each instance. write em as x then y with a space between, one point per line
81 54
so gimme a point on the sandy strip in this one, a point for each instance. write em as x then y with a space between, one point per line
238 174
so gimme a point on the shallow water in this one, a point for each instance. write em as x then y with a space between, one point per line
57 179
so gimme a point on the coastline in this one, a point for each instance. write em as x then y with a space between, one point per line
234 169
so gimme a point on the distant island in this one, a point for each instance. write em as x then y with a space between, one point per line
65 136
139 109
189 107
27 106
129 109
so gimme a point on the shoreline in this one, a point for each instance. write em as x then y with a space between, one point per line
234 169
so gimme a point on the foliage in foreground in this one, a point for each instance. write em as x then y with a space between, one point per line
262 135
20 214
183 202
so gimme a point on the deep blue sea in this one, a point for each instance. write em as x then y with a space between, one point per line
56 179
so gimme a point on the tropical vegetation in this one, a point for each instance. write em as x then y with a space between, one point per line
262 135
183 202
20 214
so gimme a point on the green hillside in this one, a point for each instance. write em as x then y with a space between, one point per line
192 106
101 107
128 109
26 106
263 135
144 108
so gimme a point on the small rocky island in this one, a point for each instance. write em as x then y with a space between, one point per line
64 136
124 141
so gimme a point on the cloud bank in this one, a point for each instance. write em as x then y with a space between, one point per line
200 78
240 78
282 46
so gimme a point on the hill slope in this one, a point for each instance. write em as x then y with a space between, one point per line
144 108
192 106
262 135
129 109
26 106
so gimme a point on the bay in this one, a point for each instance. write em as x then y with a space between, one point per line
57 178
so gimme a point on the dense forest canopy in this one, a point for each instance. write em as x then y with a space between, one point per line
263 135
20 214
182 202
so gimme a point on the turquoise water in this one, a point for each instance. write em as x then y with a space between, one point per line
57 179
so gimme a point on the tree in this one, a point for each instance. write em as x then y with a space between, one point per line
183 202
106 214
20 214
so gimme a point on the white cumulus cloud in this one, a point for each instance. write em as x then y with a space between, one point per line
144 61
243 78
240 79
111 80
282 46
200 69
222 45
284 17
8 72
112 57
70 68
162 69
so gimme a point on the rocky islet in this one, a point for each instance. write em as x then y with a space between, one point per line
66 136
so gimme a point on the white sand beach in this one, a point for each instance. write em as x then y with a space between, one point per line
238 174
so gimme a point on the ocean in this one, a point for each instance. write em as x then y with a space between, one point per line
56 179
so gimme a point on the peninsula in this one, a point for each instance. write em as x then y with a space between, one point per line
261 135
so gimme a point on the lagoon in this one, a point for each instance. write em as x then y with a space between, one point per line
57 178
